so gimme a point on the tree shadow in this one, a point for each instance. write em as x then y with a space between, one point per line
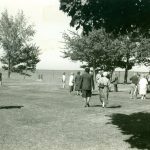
137 125
11 107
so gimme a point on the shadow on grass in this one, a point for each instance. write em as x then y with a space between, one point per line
115 106
137 125
95 94
95 105
11 107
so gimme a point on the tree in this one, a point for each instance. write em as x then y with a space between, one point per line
15 39
117 16
98 49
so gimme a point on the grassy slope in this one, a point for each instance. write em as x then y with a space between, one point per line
51 119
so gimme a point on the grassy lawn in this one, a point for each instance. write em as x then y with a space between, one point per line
43 116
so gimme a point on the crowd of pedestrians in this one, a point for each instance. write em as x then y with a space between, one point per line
83 84
139 85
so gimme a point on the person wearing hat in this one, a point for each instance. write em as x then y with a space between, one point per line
104 85
86 85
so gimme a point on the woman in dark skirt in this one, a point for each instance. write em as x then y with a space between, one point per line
77 83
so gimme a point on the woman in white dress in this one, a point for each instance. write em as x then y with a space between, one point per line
71 82
143 86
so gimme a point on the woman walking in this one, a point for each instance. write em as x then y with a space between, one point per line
104 85
71 82
143 86
77 83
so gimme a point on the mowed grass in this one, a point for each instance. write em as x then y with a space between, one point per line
43 116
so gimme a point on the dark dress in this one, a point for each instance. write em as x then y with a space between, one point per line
77 82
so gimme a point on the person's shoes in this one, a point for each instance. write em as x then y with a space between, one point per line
87 105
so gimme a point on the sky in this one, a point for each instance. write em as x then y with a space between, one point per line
49 23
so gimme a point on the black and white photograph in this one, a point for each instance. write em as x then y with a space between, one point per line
75 74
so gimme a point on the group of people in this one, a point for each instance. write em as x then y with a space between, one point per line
74 82
84 84
139 85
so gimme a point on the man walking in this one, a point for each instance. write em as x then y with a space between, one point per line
87 83
115 82
134 86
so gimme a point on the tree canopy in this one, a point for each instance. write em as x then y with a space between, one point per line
117 16
16 40
98 49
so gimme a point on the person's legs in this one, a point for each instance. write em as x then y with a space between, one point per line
63 85
131 91
86 104
88 101
105 90
87 94
100 94
142 96
135 92
70 89
84 95
115 88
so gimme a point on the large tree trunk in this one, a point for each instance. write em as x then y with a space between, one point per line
126 75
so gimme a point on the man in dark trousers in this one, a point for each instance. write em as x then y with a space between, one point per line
134 86
115 82
87 83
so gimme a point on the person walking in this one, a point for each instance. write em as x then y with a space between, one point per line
0 78
104 85
148 79
87 84
134 86
99 84
64 80
77 83
115 82
71 82
143 86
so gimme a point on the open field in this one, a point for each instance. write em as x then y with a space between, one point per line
43 116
